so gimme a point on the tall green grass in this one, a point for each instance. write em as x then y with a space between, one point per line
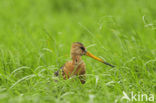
35 40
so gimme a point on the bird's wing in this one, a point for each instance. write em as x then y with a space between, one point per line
57 72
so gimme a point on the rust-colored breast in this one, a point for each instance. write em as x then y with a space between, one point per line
71 69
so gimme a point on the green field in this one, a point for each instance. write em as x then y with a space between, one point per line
36 37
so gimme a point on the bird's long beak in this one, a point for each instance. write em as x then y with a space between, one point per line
96 58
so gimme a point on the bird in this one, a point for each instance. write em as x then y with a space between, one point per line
77 67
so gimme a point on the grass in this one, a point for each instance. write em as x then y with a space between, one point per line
35 40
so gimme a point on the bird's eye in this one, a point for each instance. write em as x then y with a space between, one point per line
82 48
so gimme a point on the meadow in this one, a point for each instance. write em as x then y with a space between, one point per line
35 41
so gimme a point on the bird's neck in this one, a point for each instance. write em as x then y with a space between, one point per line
76 59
